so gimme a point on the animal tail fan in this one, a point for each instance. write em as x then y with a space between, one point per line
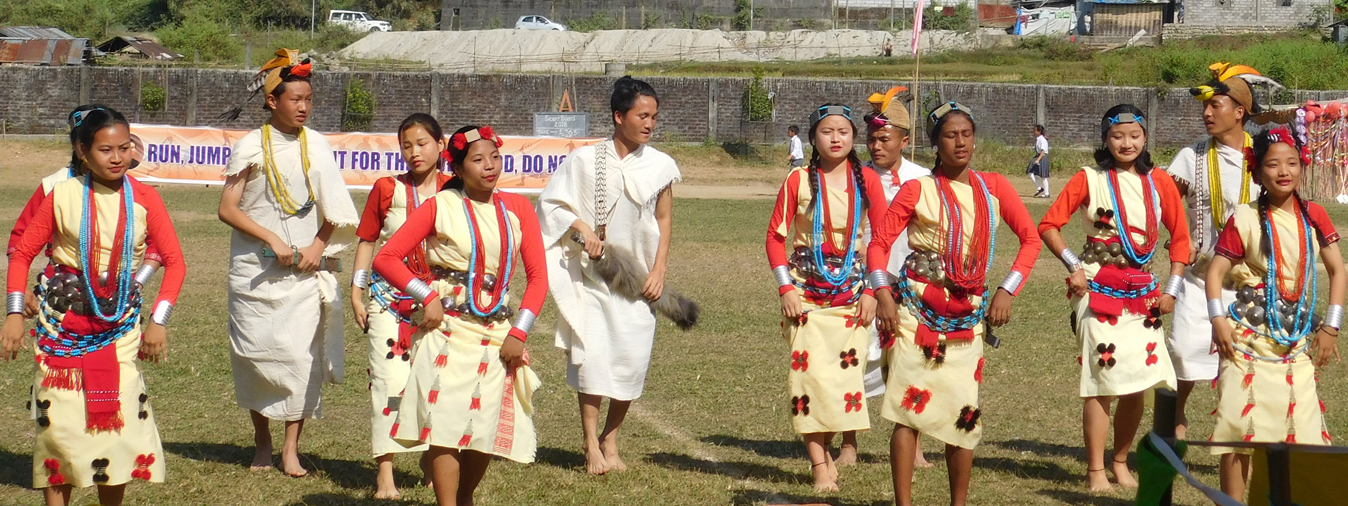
627 277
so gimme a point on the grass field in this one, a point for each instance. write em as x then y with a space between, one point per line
712 428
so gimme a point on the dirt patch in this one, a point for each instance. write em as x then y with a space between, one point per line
24 163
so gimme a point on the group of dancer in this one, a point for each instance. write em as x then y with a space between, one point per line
436 250
914 268
887 267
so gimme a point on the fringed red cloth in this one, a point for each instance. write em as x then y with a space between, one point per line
405 328
953 305
1123 279
98 373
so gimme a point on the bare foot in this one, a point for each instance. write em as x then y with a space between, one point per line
1181 426
846 456
921 461
832 468
1123 475
594 460
261 458
824 481
385 488
1098 482
609 447
290 464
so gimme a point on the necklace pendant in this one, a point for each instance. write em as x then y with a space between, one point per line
600 232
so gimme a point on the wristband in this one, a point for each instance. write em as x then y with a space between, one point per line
361 279
878 279
419 290
1333 316
161 314
525 321
1012 282
783 275
1172 285
144 273
1216 309
14 303
1070 260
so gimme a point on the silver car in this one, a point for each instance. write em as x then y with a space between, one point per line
538 23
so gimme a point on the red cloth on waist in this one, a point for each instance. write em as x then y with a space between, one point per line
98 373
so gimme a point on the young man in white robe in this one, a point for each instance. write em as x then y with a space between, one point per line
1210 198
615 194
291 213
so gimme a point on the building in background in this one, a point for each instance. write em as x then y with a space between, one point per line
31 45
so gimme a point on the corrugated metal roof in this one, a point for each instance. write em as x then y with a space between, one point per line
43 52
33 32
133 45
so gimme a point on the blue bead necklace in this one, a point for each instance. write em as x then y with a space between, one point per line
124 277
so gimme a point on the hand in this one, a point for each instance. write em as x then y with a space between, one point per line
1325 344
512 352
1166 303
432 316
358 308
655 284
1222 339
284 255
1076 283
154 343
310 257
1000 312
593 245
31 304
886 311
791 305
11 337
867 314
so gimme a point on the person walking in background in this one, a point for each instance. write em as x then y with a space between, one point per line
796 157
1038 169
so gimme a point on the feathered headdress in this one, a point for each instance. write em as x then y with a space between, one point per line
1237 82
889 109
286 63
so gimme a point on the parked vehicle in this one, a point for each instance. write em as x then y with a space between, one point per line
538 23
358 21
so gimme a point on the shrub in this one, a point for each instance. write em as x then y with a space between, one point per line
153 98
757 99
961 18
598 21
202 34
358 112
743 10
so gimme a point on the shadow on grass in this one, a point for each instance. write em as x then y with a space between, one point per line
748 497
738 470
348 474
1074 497
1023 468
16 469
565 459
1076 452
777 449
338 500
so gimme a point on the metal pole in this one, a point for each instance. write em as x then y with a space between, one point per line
751 15
1163 424
1279 475
313 15
891 15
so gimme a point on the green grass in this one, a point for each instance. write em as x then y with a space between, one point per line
712 428
1300 60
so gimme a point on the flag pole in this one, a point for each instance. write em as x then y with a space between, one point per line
917 67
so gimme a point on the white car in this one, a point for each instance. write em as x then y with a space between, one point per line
538 23
358 21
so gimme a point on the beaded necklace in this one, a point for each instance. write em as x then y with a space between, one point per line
120 263
1216 199
1140 254
416 259
277 184
1273 282
476 263
819 219
967 271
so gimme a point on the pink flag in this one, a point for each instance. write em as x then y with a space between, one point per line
917 26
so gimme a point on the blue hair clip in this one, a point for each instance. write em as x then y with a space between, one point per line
78 116
830 110
1125 117
946 108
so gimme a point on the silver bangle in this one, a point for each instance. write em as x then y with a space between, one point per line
144 273
1172 285
878 279
1070 260
1012 282
1334 316
525 321
783 274
14 303
418 289
1216 309
361 279
161 314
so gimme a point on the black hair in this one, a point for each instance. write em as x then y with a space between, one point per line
793 129
626 90
935 132
853 162
1262 143
427 122
1103 158
457 155
281 88
93 117
1039 129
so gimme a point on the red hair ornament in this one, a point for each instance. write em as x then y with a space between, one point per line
1285 136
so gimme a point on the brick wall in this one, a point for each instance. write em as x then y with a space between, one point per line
1250 13
35 100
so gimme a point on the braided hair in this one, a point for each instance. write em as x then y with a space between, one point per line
853 162
939 126
1262 144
